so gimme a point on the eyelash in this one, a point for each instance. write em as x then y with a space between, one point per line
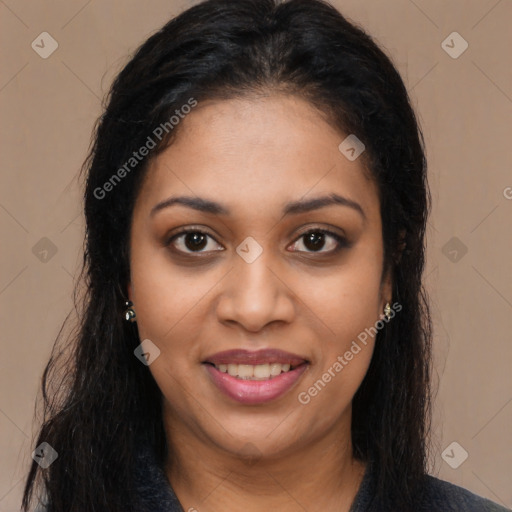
341 241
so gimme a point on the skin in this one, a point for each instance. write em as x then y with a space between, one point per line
253 156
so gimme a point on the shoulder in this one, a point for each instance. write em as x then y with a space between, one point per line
440 495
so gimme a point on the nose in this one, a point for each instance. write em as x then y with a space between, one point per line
255 295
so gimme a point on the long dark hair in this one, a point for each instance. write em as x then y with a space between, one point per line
99 401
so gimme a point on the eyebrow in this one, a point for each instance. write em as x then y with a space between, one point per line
294 207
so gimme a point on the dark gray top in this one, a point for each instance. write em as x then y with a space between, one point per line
440 496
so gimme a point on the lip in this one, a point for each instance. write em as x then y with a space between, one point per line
251 392
267 355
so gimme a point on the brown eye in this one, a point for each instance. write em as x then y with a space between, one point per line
190 241
317 239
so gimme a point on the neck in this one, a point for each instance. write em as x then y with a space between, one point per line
320 474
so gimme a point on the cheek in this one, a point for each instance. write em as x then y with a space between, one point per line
348 307
165 299
347 301
170 311
348 304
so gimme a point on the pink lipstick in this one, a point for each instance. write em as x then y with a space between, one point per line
255 377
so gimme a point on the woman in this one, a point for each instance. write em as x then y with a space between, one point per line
255 335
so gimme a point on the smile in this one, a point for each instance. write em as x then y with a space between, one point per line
255 372
254 384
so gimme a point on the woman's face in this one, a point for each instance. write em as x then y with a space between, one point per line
251 280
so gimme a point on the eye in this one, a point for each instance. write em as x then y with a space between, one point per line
191 241
317 238
197 241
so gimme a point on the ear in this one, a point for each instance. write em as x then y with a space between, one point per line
130 294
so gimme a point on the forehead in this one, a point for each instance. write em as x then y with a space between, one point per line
256 154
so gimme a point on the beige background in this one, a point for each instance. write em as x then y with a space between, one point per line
48 107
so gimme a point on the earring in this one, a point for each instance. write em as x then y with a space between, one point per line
387 311
129 313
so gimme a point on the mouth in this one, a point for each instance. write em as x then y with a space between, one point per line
255 377
264 371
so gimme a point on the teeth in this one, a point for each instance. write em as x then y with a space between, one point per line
254 372
275 369
262 371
